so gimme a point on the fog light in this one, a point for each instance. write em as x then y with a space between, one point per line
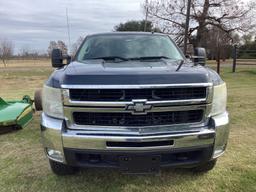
206 136
55 155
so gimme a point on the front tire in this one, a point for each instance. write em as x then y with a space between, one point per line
38 100
62 169
205 167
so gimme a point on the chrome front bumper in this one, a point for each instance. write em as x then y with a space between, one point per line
55 138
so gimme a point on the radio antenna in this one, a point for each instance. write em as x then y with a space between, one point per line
146 18
68 30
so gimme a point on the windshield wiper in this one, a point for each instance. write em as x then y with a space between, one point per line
111 58
150 58
180 65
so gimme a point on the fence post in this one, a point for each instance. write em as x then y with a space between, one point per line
218 62
234 58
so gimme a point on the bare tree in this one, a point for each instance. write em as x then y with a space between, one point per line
52 45
218 43
6 50
62 46
57 45
227 15
76 45
24 51
247 38
34 54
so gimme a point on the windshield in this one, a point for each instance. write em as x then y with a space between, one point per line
128 47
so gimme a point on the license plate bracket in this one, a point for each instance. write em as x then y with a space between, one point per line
140 164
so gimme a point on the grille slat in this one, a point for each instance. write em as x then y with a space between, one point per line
127 119
155 94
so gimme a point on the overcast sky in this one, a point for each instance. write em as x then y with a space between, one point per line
33 23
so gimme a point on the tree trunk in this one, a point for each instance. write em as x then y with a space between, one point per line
202 24
4 62
199 36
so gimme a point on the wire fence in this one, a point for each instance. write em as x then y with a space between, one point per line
243 58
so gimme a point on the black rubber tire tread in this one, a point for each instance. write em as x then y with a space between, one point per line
38 100
205 167
62 169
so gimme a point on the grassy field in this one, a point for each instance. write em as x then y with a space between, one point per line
24 167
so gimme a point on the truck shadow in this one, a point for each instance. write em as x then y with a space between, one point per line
111 180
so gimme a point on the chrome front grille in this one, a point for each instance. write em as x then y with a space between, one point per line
156 94
127 119
121 107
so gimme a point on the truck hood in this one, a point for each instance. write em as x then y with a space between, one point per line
97 72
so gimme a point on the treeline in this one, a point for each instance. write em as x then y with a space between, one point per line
217 42
248 49
26 53
59 44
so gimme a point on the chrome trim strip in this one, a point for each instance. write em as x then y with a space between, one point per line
122 104
146 130
137 138
135 86
175 128
51 134
141 148
124 110
222 133
209 94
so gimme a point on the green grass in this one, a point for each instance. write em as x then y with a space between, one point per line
24 167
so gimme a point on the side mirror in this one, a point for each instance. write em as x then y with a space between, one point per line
188 56
200 56
57 58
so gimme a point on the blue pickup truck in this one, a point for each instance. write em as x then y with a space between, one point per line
133 102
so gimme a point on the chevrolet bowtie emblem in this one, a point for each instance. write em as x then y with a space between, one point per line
139 107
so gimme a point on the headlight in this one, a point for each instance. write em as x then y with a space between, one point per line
219 101
52 102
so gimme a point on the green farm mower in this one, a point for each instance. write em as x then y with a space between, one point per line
15 115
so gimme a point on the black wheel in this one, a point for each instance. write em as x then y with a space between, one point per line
38 100
205 167
62 169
